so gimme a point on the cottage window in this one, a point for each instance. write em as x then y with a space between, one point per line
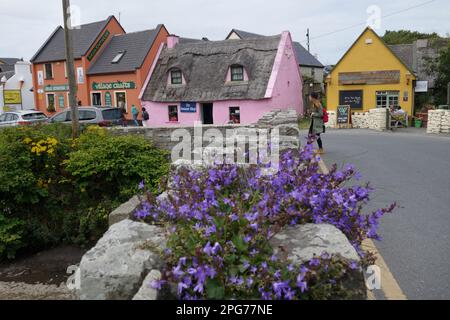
173 113
387 99
235 115
237 73
176 77
48 71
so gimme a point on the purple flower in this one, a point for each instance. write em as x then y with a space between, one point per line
314 262
302 285
141 185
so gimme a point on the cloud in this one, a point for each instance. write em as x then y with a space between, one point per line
27 24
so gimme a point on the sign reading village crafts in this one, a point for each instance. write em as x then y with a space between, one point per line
99 44
114 85
188 107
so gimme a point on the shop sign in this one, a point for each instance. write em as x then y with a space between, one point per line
98 45
12 97
108 100
53 88
114 85
188 107
421 86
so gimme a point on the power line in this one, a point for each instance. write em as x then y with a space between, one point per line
364 23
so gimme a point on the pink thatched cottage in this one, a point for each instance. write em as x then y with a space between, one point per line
222 82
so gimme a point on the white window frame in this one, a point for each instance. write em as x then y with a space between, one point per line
126 99
171 78
101 97
45 71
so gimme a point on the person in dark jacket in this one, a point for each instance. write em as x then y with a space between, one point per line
317 126
145 117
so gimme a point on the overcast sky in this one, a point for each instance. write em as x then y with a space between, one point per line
26 24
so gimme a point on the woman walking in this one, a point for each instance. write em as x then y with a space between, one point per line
317 126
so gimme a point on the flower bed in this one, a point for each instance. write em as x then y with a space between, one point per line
221 220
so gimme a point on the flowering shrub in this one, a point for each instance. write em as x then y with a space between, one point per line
222 218
55 190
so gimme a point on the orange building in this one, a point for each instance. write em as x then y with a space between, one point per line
111 66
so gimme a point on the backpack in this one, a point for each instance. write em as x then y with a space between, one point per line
325 115
145 116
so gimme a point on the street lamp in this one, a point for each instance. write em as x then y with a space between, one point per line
3 81
21 81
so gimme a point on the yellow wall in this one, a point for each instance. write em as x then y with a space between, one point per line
370 57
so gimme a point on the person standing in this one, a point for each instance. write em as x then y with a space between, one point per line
123 113
135 113
317 126
145 117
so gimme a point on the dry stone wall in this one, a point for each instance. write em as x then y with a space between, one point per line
438 122
374 119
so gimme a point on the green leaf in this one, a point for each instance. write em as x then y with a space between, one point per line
214 289
239 242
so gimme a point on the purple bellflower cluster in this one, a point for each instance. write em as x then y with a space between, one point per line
220 221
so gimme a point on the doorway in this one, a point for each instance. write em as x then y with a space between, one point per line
121 100
207 113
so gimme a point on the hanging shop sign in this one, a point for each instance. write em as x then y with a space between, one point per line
12 97
114 85
421 86
98 45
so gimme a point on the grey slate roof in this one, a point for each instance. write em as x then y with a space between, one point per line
7 74
304 58
7 64
205 65
405 52
136 44
54 48
244 34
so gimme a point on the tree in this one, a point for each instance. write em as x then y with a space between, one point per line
407 36
441 67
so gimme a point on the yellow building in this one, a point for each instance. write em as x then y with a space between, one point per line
370 75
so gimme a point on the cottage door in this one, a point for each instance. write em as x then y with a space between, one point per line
207 113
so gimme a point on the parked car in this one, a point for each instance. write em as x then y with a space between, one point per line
102 116
17 118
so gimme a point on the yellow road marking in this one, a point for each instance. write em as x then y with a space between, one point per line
389 285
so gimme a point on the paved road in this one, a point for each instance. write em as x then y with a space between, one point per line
413 169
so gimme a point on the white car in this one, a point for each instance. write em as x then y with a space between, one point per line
18 118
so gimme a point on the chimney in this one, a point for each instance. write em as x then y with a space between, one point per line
172 41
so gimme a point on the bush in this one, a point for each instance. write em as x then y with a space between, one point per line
61 191
219 233
11 231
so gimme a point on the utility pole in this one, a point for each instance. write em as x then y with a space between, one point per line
307 37
70 68
448 94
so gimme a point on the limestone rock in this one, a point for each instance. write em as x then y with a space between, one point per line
115 268
125 211
146 292
303 241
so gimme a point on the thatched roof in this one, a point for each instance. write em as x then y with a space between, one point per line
205 65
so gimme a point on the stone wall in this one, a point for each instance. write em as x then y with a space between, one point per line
375 119
438 121
286 121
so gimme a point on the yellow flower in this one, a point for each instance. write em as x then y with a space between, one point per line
27 140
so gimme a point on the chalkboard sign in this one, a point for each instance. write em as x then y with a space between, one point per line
343 115
352 98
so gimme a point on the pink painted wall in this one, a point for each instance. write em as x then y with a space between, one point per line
284 92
